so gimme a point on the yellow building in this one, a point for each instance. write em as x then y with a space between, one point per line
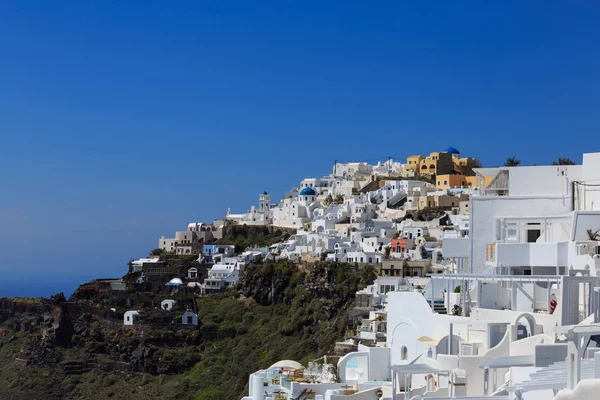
412 163
444 182
479 182
436 164
442 201
463 161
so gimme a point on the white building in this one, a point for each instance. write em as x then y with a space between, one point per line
294 212
321 186
261 216
168 304
189 318
131 317
222 275
351 170
518 317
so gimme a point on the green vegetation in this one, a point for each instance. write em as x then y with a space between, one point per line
243 236
456 310
387 251
27 300
279 310
300 318
593 235
512 162
157 252
563 161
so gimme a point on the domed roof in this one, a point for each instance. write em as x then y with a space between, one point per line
287 364
174 282
308 192
452 150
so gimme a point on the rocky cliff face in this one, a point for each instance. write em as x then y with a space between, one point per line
59 349
48 318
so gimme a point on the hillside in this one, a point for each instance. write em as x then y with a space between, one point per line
57 349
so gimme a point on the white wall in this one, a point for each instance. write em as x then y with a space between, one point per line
410 317
591 174
583 391
584 220
455 248
493 295
542 180
485 208
379 364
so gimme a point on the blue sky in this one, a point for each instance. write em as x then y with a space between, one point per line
122 121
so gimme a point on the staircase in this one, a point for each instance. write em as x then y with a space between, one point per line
370 187
74 368
306 394
439 308
397 201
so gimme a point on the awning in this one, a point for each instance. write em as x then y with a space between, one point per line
508 361
427 367
428 340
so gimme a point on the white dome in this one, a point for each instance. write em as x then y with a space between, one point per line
194 284
287 364
176 281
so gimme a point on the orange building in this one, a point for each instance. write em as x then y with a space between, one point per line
401 245
443 182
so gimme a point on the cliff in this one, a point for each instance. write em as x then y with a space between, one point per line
76 349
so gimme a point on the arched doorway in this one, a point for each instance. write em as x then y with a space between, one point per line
524 326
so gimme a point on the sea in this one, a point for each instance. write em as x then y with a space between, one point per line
38 287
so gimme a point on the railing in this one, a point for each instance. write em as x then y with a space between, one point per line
490 252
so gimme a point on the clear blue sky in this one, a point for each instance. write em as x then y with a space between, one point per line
122 121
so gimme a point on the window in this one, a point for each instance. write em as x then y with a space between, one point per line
403 353
445 182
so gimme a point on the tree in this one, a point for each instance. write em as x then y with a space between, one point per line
563 161
387 251
593 235
328 200
157 252
511 162
339 199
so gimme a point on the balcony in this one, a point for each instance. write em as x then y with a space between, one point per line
547 254
455 247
